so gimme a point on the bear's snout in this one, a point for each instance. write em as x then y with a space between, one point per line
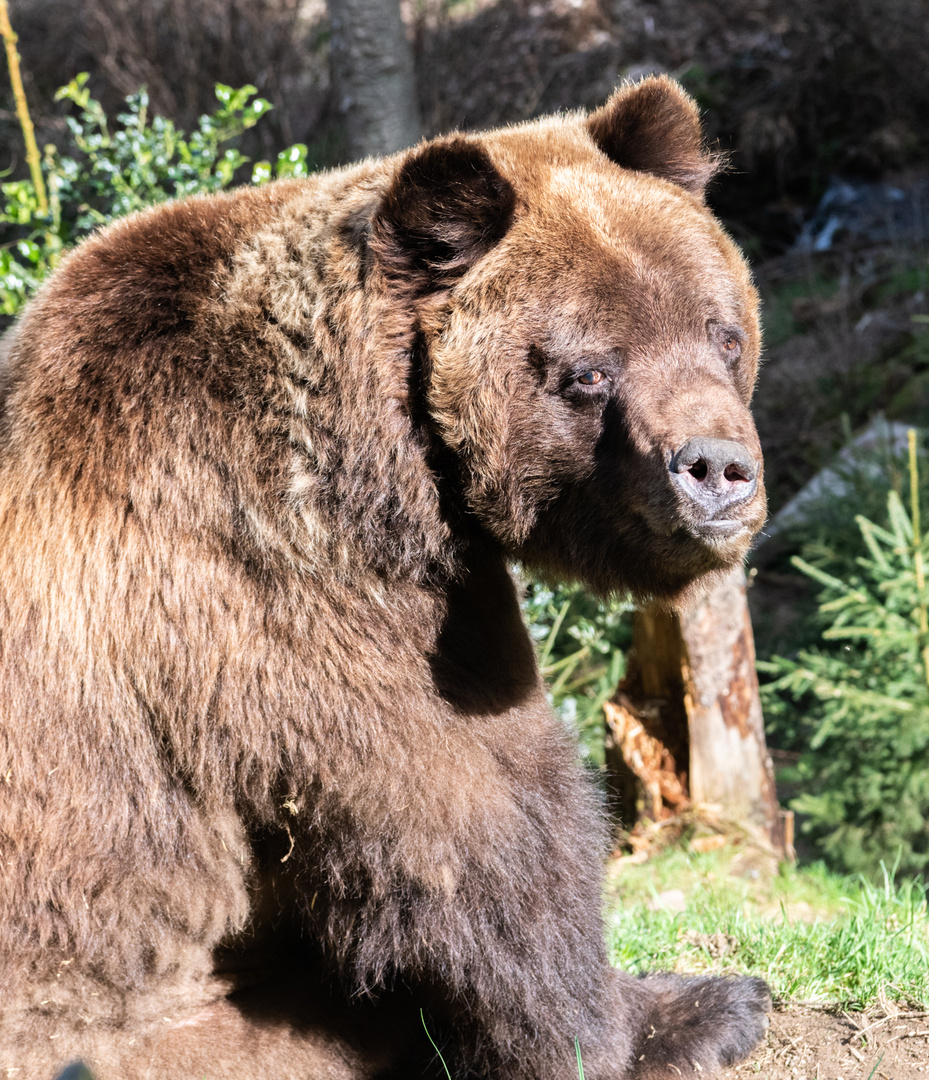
715 477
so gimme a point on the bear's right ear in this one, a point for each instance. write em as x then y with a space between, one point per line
446 207
653 126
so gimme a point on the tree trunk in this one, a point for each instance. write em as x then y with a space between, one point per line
372 72
685 726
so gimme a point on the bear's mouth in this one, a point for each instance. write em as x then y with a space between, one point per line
725 536
718 534
732 523
719 529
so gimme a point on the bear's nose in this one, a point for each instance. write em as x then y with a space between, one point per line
715 473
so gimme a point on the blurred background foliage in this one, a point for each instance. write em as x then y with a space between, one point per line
801 90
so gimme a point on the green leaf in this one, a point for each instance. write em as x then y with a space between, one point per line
108 170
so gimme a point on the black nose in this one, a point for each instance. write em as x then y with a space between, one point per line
715 473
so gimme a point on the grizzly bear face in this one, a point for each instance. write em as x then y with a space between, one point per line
590 338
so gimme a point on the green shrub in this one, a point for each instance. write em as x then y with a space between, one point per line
865 690
110 169
823 534
580 643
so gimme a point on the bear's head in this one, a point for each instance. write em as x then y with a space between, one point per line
590 340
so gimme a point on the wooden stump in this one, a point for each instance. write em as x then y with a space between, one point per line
685 728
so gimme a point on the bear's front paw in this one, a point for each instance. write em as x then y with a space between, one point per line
699 1025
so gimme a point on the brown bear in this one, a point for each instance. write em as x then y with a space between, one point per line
278 779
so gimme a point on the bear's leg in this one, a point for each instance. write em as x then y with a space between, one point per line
469 878
478 892
456 854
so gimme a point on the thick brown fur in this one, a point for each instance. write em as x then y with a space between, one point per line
276 765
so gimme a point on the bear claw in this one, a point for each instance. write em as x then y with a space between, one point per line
699 1025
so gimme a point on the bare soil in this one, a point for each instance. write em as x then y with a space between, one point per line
806 1043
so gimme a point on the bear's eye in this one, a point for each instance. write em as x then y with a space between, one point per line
587 385
730 342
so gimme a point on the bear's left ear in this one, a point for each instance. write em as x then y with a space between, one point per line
446 207
654 127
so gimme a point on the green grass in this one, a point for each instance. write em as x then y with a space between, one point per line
438 1052
814 936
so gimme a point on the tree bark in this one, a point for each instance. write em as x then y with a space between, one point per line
685 727
373 76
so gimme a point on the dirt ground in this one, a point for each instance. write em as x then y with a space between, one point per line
813 1044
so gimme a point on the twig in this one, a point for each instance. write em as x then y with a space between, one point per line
22 109
860 1031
